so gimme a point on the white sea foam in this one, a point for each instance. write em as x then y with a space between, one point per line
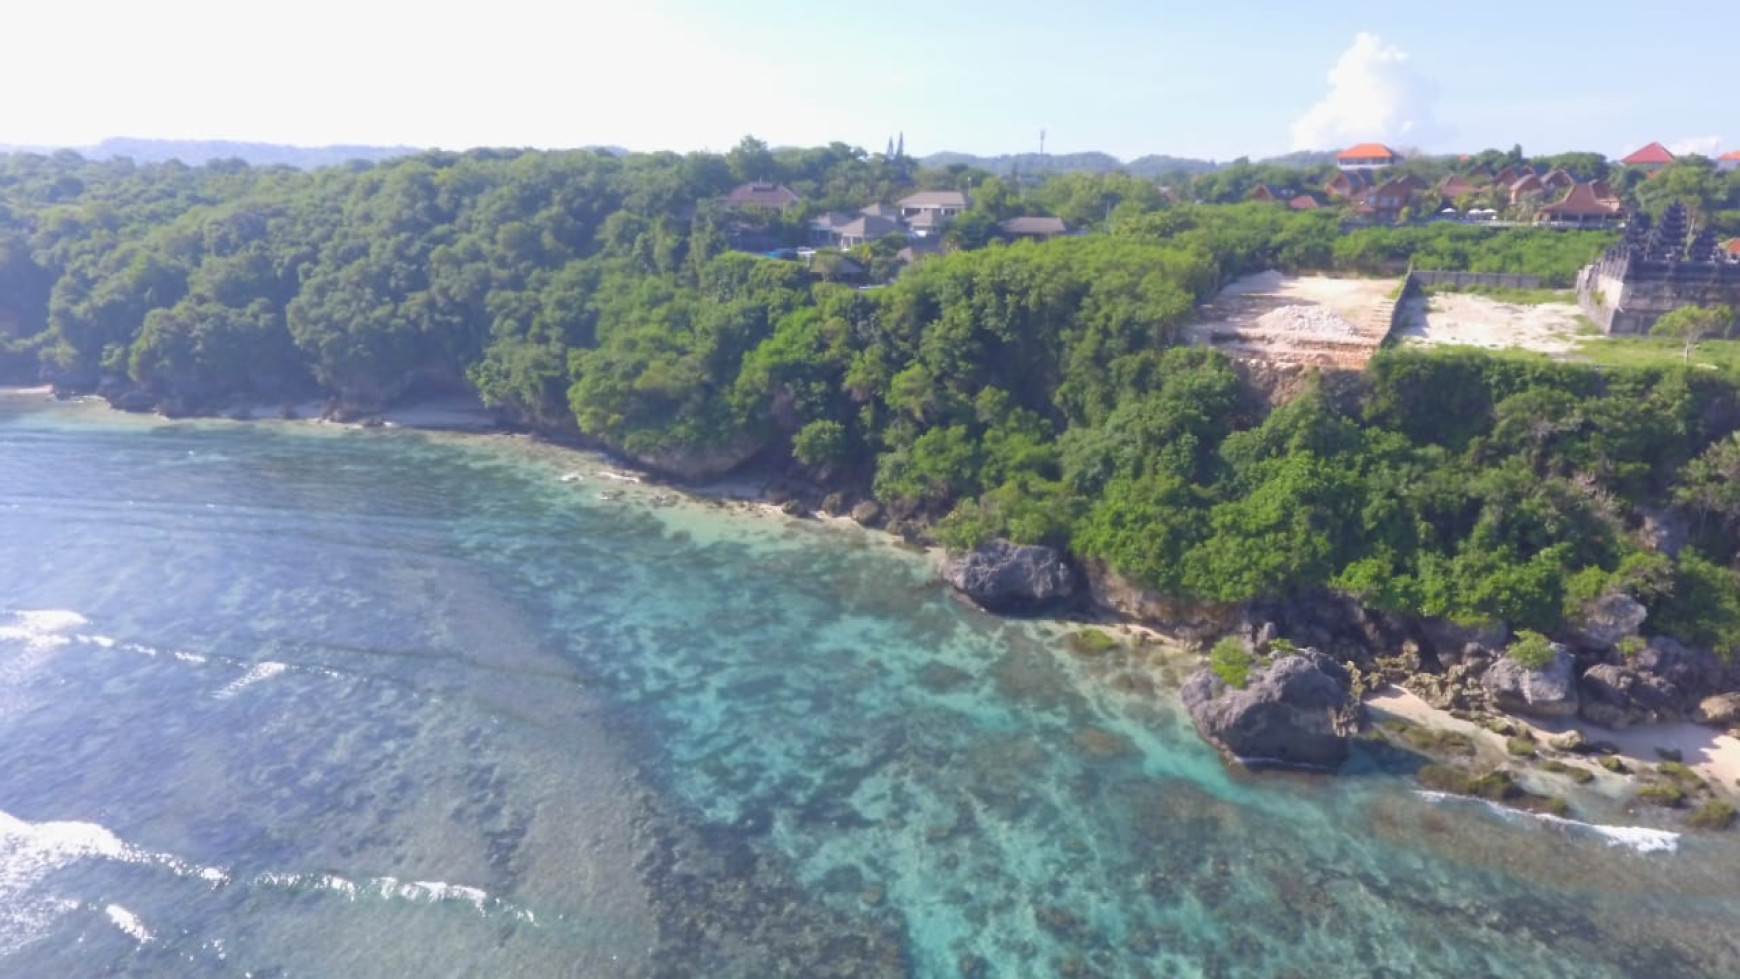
39 630
394 889
258 673
30 852
1641 839
128 922
619 476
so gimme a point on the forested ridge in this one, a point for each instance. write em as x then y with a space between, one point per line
1033 391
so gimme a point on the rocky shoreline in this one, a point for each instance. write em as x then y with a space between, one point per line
1318 662
1513 718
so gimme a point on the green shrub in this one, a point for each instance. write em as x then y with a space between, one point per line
1231 662
1091 642
1666 796
1521 747
1714 814
1531 650
1680 775
1576 773
1612 764
1437 741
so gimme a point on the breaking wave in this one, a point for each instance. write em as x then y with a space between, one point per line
1641 839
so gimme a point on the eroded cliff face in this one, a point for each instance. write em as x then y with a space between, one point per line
696 463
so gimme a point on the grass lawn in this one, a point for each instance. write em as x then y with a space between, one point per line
1723 355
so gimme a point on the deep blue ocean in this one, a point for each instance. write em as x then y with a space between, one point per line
285 700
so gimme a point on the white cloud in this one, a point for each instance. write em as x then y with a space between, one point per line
1374 94
1701 145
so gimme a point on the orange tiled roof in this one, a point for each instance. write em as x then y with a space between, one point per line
1367 151
1651 154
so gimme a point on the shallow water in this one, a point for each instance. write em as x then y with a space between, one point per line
281 700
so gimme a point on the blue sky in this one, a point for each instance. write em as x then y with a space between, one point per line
1216 80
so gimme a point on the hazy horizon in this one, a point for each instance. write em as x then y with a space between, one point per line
1115 76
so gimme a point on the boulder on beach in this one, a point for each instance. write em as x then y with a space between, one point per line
1616 697
1293 711
1547 692
1003 577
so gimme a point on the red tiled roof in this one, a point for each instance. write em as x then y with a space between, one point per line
1654 153
1733 246
1367 151
1730 156
1305 202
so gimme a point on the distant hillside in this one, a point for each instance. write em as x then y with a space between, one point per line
1091 162
197 152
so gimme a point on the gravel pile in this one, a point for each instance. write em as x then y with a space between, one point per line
1311 320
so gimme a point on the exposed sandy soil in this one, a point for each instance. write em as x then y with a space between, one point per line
1298 319
1476 321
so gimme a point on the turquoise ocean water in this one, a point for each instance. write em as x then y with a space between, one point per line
283 700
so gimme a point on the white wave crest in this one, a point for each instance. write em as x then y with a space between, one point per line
39 630
128 922
30 852
394 889
258 673
1641 839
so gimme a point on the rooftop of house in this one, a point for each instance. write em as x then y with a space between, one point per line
1650 155
1304 202
757 194
1730 156
1582 201
868 227
1368 151
936 199
880 210
1733 246
1033 226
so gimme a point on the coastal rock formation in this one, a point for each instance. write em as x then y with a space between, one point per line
1185 620
1608 619
1003 577
1666 681
1550 691
697 463
1293 711
1617 697
1722 710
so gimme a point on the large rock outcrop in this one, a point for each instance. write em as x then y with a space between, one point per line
1607 619
1549 692
1003 577
1666 681
1616 697
697 463
1293 711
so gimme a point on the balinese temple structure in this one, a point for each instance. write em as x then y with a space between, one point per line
1656 268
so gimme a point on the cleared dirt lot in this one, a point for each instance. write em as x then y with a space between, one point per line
1299 319
1476 321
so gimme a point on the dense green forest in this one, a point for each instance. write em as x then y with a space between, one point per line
1033 391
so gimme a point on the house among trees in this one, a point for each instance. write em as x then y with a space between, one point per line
1732 247
928 212
1346 183
1559 180
1652 158
1454 187
773 197
1728 161
1304 202
1367 156
1531 184
864 229
1385 202
1582 207
1264 193
1032 228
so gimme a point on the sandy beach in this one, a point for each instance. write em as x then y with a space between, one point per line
1712 754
